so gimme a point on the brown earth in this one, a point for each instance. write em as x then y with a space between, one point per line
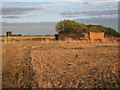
60 64
19 38
16 65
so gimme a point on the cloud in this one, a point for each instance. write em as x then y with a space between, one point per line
13 12
60 1
10 16
19 11
92 1
105 21
56 4
88 13
45 28
30 28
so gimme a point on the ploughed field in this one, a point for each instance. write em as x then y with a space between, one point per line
61 64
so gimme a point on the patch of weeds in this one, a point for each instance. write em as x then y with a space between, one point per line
26 85
84 63
76 55
17 75
17 40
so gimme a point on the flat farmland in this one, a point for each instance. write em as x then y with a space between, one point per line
60 64
18 38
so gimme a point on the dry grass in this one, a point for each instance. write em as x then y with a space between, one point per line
76 65
18 38
60 64
16 65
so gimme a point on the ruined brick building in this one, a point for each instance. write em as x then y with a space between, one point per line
90 35
9 33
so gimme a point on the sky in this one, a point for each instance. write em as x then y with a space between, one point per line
40 18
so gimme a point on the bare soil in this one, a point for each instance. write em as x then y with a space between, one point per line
60 64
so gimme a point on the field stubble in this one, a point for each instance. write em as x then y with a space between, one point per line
60 64
76 65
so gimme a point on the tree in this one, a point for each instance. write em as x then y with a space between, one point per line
17 35
111 32
95 28
69 26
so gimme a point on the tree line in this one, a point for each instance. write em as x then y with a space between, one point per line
70 26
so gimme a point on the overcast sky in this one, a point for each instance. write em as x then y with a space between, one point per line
40 18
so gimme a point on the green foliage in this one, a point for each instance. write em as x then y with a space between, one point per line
95 28
112 32
2 35
17 35
70 26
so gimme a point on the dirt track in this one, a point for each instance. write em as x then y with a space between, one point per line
16 65
61 64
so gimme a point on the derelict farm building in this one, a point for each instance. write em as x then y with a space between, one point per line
90 35
9 33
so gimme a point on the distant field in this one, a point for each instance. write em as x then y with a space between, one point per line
60 64
27 38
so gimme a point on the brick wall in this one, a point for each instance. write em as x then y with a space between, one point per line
91 35
96 35
8 33
66 36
